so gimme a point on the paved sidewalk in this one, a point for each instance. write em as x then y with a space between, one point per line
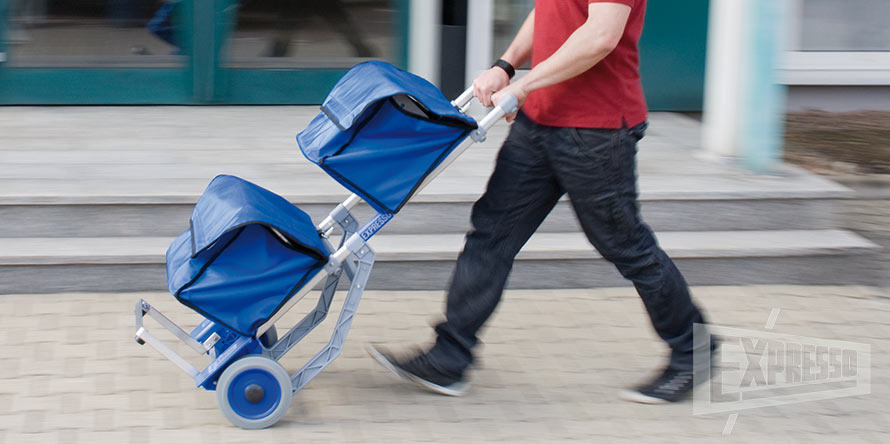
550 368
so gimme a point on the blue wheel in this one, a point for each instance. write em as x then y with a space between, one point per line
254 392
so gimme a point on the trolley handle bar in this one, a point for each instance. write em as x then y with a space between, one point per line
464 99
508 105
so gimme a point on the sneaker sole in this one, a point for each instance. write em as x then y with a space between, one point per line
457 389
635 396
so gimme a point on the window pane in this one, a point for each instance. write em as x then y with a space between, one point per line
86 33
312 33
845 25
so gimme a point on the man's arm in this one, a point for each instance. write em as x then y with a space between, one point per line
519 52
587 46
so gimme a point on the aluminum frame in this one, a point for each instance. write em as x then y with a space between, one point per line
353 256
357 272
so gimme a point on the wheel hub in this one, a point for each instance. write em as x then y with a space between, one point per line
254 393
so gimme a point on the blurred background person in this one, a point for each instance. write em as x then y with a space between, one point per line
296 13
163 25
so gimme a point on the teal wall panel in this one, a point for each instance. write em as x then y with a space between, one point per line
23 86
402 30
278 87
672 52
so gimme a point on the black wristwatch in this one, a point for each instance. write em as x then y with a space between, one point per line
506 66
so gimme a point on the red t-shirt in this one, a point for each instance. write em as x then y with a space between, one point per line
607 95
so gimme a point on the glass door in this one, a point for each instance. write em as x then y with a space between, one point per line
286 51
191 51
94 51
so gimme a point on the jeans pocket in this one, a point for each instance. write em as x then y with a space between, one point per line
638 131
597 145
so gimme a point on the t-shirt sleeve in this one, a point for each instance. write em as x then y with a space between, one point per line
630 3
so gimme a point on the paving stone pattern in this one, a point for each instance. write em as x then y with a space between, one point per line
549 370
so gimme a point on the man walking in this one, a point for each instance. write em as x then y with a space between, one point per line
582 114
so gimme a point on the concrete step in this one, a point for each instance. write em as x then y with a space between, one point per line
143 175
549 260
421 217
154 208
91 197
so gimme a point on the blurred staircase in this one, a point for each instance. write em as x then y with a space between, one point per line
90 198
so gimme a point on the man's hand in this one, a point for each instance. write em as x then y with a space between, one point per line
515 89
488 83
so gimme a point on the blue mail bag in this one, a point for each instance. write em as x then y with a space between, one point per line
246 253
381 132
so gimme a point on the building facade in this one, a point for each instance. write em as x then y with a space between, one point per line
291 52
285 52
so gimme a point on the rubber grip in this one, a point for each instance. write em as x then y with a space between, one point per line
510 104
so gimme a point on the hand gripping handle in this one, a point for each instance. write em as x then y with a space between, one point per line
507 106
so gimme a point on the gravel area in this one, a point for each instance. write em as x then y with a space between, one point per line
839 143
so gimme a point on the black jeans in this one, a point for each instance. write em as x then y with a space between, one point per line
536 165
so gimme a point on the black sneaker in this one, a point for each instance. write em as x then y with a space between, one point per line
671 386
421 371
